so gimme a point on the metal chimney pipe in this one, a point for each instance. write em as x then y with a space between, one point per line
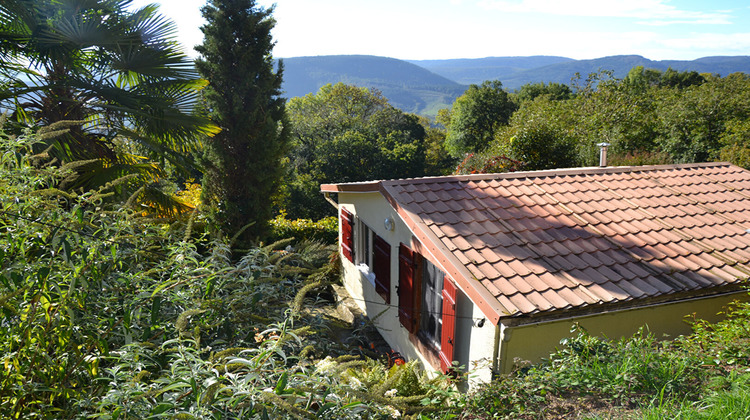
603 154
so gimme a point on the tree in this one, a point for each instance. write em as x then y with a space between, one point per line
694 121
117 74
346 133
554 91
475 116
243 162
541 145
437 159
640 78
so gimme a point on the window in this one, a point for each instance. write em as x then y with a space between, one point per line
363 251
432 303
427 309
372 254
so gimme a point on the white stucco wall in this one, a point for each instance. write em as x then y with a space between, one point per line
474 345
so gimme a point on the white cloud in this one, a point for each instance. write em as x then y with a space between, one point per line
704 43
654 12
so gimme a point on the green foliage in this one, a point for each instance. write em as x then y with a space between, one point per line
552 91
735 142
325 230
437 159
700 376
117 77
623 373
695 119
243 168
650 117
107 315
641 78
475 116
541 145
345 134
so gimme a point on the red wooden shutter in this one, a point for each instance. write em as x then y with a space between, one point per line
347 236
382 269
406 288
449 325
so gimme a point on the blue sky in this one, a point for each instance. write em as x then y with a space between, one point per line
439 29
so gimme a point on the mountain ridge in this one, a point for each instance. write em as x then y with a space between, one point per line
407 86
425 86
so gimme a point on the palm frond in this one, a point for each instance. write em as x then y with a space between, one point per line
152 200
118 70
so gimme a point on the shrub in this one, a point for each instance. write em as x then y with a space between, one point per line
106 315
626 373
324 230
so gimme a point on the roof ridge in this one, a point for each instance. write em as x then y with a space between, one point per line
373 185
590 170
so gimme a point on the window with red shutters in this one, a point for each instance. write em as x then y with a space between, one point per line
427 306
406 270
448 332
382 268
347 234
431 303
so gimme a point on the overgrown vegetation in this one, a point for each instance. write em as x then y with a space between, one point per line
110 313
701 376
106 314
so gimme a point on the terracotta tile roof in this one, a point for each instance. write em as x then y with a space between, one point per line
550 240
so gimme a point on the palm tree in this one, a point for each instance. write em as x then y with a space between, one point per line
120 77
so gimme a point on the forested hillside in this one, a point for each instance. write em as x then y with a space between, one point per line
647 117
424 86
621 65
407 86
476 70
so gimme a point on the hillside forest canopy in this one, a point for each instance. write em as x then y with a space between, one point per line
141 277
648 117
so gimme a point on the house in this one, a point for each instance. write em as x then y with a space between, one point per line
479 270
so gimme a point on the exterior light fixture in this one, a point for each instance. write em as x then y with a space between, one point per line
389 224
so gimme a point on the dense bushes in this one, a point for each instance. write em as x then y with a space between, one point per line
325 230
703 375
107 315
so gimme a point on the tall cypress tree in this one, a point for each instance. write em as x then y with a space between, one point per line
243 162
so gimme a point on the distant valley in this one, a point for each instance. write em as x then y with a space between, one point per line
425 86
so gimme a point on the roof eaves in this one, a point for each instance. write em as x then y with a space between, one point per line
369 186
